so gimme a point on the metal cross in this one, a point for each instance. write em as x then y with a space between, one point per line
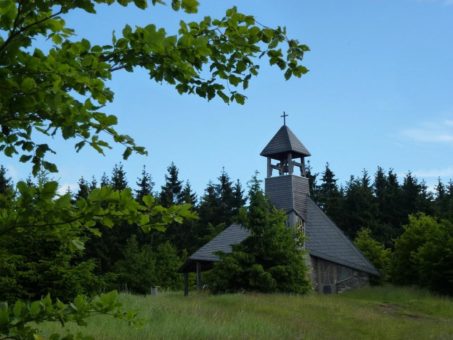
284 115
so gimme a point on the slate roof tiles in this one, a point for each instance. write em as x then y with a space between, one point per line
284 141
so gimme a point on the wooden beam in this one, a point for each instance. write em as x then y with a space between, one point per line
198 267
186 284
269 167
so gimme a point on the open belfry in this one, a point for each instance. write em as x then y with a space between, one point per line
336 265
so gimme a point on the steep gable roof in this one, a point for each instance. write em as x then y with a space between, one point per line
234 234
327 241
283 142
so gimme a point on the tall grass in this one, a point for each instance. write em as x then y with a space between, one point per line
369 313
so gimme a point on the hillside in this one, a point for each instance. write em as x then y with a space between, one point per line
372 313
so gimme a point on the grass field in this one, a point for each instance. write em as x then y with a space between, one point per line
369 313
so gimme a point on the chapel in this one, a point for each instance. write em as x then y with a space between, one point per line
336 265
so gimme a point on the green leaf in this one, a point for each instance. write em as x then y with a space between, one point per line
79 245
148 200
49 189
35 308
51 167
107 221
4 314
240 99
19 306
28 84
140 4
144 219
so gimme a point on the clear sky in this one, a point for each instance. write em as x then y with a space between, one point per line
379 92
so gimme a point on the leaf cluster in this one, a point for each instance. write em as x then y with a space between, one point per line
19 320
62 90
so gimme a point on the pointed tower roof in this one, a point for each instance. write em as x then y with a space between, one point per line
283 142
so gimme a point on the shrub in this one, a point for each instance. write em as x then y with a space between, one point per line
424 254
375 252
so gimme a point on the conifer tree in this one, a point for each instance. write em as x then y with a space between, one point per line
145 185
93 183
188 196
84 189
207 226
226 208
238 198
118 180
359 205
105 181
5 181
171 191
330 197
6 188
312 181
270 260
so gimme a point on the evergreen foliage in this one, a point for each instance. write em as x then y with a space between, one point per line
118 180
188 196
43 235
359 205
270 260
171 191
329 196
145 185
84 189
6 186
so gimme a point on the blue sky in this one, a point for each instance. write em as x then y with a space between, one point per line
379 92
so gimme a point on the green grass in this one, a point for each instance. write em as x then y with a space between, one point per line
369 313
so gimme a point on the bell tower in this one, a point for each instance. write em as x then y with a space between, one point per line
286 184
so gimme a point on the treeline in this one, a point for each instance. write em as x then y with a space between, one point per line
381 202
382 213
403 228
118 254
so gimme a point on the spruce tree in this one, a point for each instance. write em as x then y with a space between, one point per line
105 181
6 188
238 198
6 185
118 180
171 191
226 209
270 260
449 189
188 196
145 185
208 223
93 183
312 182
330 197
84 189
359 205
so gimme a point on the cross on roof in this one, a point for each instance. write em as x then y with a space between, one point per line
284 115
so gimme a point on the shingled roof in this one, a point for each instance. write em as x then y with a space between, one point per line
234 234
283 142
324 240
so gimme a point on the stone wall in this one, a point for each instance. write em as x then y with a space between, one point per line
328 277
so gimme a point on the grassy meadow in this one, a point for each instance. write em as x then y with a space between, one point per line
368 313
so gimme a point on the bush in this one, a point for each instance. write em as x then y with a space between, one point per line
375 252
424 254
